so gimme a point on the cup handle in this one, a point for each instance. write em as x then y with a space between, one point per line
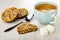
54 20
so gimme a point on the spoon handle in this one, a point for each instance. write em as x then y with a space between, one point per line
9 29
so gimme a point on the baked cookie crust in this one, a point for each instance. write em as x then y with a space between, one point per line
10 14
26 27
22 12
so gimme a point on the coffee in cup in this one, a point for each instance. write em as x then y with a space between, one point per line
45 7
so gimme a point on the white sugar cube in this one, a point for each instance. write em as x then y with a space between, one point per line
43 32
50 28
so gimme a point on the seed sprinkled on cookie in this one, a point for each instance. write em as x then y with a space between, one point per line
10 14
26 27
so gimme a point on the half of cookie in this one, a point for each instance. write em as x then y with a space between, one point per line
22 12
26 27
10 14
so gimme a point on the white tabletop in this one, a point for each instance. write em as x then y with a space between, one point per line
29 4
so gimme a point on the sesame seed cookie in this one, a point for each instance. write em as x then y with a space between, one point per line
10 14
22 12
26 27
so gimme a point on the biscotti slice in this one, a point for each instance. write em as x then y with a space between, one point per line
26 27
22 12
10 14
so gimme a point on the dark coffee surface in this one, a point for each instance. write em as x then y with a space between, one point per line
46 7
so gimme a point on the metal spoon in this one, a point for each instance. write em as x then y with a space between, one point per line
28 18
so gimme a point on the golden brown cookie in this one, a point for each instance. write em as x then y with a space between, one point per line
22 12
10 14
26 27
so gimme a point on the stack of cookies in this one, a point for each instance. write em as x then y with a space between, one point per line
11 14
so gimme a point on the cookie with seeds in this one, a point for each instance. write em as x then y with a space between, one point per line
26 27
10 14
22 12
